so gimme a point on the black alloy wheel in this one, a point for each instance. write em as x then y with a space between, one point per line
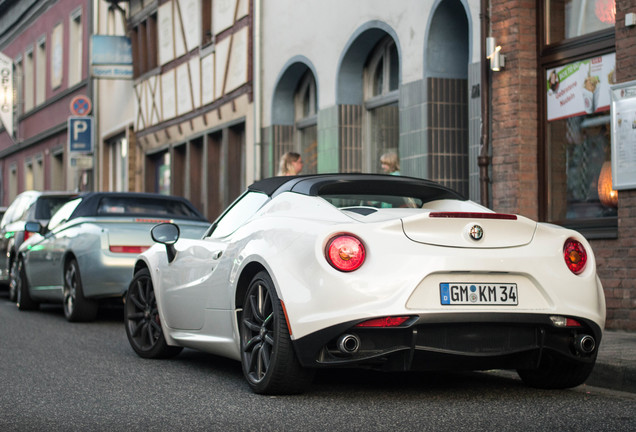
142 320
269 362
76 306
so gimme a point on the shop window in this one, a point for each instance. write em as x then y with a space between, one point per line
578 146
306 121
381 77
567 19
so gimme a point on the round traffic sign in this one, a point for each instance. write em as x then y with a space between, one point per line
81 105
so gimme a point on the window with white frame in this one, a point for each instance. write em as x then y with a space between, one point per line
18 78
40 72
28 175
29 81
38 173
57 180
13 182
75 48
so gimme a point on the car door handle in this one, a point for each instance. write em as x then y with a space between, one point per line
216 255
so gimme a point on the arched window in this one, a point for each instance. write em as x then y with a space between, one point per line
381 82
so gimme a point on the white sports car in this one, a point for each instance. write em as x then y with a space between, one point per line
365 270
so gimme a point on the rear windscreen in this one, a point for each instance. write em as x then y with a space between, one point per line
130 206
376 201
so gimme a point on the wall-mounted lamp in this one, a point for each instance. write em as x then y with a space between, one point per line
497 60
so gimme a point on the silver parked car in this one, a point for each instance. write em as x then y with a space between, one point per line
87 251
27 206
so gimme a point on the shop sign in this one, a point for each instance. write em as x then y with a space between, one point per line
111 57
580 88
6 93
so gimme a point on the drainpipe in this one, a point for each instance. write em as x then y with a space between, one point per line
257 89
483 160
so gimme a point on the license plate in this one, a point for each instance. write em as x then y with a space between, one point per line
478 294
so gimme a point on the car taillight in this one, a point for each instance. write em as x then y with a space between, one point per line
384 322
128 249
345 252
27 234
575 256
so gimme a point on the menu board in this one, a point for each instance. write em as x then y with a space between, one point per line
623 113
580 88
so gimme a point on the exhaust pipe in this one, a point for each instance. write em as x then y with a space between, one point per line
348 344
584 344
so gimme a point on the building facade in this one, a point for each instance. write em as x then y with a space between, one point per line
193 98
344 89
53 79
554 142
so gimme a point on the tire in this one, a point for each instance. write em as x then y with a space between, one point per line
77 308
23 298
14 283
269 363
556 372
142 320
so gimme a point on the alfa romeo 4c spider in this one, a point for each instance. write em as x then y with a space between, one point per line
376 271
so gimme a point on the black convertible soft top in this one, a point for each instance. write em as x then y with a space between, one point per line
135 204
361 184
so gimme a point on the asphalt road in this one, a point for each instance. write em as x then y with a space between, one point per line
58 376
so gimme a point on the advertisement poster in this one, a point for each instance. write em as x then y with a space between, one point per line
623 115
580 88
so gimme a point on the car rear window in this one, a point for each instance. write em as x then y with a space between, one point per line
376 201
119 206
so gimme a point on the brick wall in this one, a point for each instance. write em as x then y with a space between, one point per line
515 143
515 125
616 259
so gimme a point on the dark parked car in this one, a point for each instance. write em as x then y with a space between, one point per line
29 206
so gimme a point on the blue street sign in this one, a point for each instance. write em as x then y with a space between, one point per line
80 134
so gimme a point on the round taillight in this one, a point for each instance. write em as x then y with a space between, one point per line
345 252
575 256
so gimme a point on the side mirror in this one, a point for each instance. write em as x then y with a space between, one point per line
34 227
166 234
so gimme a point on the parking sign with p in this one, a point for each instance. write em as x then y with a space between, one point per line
80 134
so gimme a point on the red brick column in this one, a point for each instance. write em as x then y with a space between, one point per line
616 259
514 124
